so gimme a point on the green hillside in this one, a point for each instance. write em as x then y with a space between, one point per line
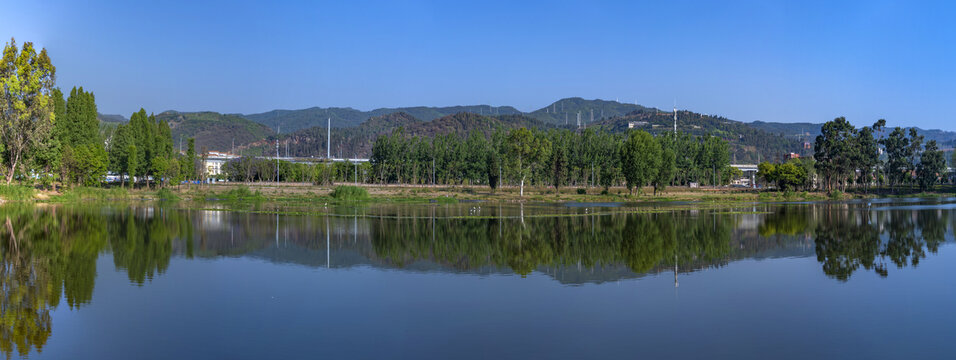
294 120
213 130
356 142
749 144
565 111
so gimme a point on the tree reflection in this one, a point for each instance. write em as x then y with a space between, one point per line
642 241
847 239
50 252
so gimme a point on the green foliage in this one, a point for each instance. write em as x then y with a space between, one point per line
787 176
640 159
582 191
349 193
16 192
81 193
214 131
446 200
240 193
166 194
26 108
932 166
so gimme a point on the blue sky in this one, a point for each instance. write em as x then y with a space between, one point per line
749 60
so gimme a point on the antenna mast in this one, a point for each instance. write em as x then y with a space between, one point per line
328 150
675 117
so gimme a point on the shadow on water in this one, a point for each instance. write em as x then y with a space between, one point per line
49 253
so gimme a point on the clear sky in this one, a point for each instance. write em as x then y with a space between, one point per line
751 60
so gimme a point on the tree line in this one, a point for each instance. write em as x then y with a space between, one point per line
50 139
553 158
846 156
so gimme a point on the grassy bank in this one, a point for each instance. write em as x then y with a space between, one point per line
303 193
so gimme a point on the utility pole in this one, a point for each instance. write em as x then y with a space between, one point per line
328 150
278 131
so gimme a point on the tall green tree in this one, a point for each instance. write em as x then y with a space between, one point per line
897 163
80 125
932 165
26 105
526 151
640 159
834 151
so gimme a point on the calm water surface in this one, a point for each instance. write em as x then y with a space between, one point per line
828 280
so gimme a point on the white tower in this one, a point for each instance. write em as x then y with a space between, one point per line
328 143
675 117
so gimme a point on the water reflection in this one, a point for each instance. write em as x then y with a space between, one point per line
49 253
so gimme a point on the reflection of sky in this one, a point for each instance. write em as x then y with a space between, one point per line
248 308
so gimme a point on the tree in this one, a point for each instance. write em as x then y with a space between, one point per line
866 156
119 156
189 162
159 166
834 151
492 168
80 125
173 173
932 164
26 104
132 163
717 155
526 151
666 170
897 165
640 159
914 150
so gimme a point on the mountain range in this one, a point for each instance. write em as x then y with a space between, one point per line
304 131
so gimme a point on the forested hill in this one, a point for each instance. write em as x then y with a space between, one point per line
356 142
748 143
108 118
293 120
213 130
565 111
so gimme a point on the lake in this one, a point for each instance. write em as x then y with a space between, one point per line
859 279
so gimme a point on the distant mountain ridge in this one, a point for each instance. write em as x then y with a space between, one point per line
293 120
213 131
356 142
751 141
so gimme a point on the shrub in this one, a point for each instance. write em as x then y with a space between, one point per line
349 193
582 191
166 194
446 200
836 195
604 192
240 194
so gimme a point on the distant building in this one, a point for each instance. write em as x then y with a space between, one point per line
791 156
634 124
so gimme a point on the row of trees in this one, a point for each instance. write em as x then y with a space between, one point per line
845 155
49 138
555 158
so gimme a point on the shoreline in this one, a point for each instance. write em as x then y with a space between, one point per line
396 193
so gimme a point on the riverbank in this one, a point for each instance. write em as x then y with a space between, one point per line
305 192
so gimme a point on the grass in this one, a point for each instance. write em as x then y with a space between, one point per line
349 193
446 200
166 194
82 193
238 194
16 192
